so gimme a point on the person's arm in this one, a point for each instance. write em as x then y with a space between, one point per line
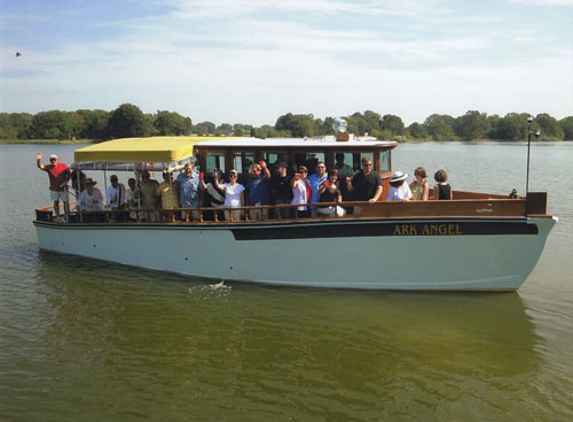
39 160
376 196
67 177
218 185
263 165
349 185
425 192
294 182
436 192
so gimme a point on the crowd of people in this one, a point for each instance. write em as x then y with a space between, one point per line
277 193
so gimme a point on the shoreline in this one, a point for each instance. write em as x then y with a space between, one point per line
95 141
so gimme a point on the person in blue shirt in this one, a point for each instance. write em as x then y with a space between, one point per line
189 191
258 190
316 180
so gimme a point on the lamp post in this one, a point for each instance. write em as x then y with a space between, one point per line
529 133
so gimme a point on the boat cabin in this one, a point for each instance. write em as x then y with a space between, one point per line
346 156
170 154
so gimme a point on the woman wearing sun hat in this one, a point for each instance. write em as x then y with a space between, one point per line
399 191
91 198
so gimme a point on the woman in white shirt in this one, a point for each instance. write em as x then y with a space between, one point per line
301 191
234 195
91 198
399 190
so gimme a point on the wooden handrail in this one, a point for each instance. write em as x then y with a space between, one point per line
488 205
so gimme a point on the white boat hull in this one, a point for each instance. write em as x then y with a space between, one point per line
477 254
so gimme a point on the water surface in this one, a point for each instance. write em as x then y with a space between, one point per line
86 340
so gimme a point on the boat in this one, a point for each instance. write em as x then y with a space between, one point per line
494 241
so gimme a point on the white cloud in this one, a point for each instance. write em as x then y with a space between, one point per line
251 61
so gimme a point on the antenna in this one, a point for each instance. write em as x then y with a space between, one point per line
529 133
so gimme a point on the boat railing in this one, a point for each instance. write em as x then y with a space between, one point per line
482 205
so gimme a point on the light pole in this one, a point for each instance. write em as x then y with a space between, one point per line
529 133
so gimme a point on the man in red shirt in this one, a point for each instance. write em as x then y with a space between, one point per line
59 174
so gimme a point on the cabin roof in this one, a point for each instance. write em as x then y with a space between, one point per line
302 143
169 149
140 150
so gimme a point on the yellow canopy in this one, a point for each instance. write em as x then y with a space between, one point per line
140 150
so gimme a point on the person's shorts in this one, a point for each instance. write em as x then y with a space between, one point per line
59 196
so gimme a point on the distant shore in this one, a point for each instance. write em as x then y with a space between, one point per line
94 141
47 141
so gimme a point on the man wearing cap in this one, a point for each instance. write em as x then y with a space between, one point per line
59 174
399 191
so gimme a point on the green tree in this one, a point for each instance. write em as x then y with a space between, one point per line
417 131
95 124
318 127
15 125
240 129
172 124
549 127
440 127
56 124
327 128
512 127
6 129
205 128
299 125
359 124
392 123
472 125
566 126
493 121
225 129
128 121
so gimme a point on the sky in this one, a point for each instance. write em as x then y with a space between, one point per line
251 61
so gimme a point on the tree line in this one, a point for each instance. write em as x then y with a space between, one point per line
129 121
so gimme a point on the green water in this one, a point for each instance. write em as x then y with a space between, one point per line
86 340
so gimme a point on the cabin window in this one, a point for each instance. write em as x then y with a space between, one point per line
272 158
384 161
309 160
243 161
344 163
357 159
215 161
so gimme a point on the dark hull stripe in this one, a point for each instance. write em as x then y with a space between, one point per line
378 229
335 229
